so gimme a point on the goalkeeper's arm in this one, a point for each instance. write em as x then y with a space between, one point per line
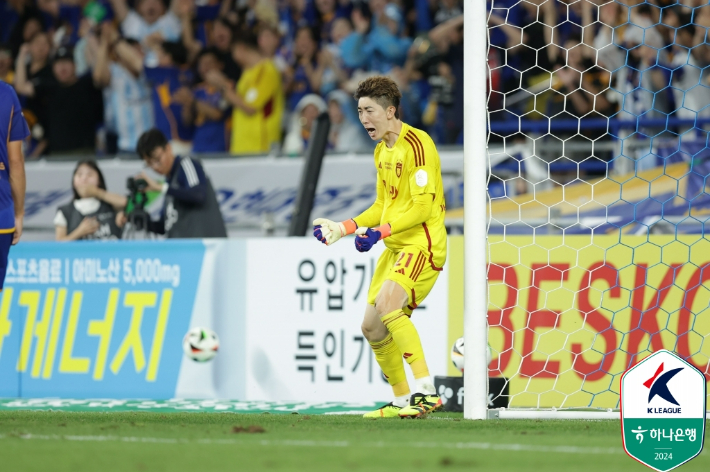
328 232
416 215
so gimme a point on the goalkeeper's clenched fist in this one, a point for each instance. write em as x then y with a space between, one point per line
328 232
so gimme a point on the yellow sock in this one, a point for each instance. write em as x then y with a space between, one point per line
388 357
405 335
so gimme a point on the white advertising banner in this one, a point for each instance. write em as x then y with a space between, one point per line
247 188
305 304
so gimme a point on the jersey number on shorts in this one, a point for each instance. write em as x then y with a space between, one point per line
417 267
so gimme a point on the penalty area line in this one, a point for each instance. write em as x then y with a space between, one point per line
308 443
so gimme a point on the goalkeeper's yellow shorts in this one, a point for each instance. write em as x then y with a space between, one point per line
412 268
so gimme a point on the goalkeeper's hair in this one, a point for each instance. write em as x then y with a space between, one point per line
381 89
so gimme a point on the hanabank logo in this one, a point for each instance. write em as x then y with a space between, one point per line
658 387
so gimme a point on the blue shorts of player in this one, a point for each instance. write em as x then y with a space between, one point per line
5 244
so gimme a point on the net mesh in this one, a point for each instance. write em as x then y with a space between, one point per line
598 116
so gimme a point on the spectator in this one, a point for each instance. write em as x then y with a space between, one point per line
581 85
301 126
11 15
165 79
190 208
38 50
642 95
269 40
205 107
447 9
74 104
7 75
611 57
691 96
441 101
294 14
39 72
222 34
149 19
342 28
92 212
62 19
185 12
327 11
128 111
346 132
257 101
305 72
27 23
378 48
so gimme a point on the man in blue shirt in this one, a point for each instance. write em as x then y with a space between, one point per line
13 130
190 207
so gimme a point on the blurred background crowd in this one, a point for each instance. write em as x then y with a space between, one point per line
237 76
566 67
250 76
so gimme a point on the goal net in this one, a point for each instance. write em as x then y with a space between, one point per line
598 116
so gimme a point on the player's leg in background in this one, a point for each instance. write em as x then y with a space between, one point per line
5 244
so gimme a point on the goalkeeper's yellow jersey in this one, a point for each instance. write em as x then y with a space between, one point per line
409 168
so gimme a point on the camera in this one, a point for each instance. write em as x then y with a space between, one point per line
135 208
136 185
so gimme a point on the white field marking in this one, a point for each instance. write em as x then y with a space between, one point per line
307 443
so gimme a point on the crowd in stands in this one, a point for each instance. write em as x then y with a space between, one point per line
585 61
245 77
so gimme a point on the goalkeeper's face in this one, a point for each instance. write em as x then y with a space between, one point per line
374 118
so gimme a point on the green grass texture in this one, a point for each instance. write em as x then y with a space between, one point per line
148 441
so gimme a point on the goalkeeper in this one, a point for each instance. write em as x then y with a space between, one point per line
408 215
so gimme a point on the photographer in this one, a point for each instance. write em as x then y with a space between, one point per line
92 212
190 209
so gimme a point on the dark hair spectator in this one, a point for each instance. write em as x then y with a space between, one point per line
74 104
190 208
306 66
92 212
204 106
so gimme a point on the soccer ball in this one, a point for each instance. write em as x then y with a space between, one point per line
200 344
457 354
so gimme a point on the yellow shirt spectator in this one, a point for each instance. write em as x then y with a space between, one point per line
260 87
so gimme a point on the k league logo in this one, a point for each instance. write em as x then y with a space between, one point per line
663 411
658 385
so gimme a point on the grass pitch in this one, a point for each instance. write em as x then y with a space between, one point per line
146 441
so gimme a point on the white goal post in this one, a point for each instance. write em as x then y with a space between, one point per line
475 219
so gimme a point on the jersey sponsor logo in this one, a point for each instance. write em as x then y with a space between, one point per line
398 169
393 191
2 166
